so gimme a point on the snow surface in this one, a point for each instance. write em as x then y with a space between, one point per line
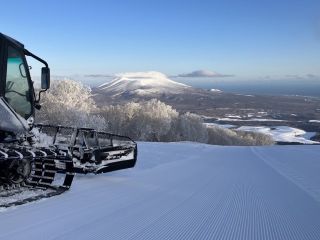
233 116
220 125
249 120
185 191
282 133
215 90
314 121
143 83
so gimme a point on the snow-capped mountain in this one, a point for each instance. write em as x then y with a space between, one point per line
143 84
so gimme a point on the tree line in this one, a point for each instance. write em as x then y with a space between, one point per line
70 103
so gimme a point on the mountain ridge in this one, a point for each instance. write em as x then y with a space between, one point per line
142 84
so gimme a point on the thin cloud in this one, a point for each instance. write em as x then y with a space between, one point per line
203 74
312 76
306 76
296 76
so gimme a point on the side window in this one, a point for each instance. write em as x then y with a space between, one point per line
17 91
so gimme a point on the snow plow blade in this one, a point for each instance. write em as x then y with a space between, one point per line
92 151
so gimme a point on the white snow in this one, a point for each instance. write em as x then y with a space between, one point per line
245 95
249 120
232 116
143 83
220 125
314 121
42 139
264 120
185 191
215 90
18 196
282 133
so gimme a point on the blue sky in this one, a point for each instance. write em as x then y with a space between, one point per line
252 40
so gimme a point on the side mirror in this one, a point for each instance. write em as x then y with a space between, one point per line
45 78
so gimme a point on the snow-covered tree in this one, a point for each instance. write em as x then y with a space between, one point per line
190 127
154 120
222 136
151 120
70 103
119 118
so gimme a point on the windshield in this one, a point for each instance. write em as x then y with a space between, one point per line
17 91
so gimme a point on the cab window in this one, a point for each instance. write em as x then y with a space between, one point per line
17 92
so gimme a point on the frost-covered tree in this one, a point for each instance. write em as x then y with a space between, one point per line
151 120
190 127
70 103
154 120
222 136
120 117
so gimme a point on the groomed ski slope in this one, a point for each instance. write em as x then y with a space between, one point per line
185 191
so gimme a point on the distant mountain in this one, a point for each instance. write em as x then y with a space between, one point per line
142 84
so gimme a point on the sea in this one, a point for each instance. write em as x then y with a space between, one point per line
302 88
